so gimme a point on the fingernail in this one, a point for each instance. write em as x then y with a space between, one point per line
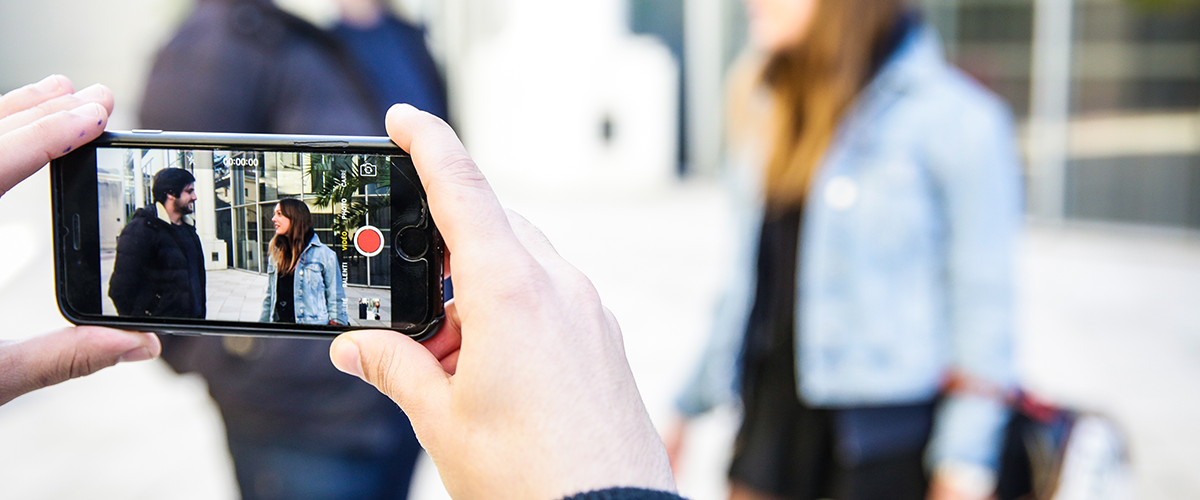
136 354
90 110
346 357
50 83
96 91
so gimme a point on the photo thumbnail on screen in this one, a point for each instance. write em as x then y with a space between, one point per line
252 236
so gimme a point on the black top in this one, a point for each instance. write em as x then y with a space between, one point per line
285 293
772 319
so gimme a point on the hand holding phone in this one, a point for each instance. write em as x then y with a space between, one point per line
39 122
526 392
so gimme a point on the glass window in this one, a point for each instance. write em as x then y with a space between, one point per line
225 232
289 175
270 176
239 243
222 183
251 238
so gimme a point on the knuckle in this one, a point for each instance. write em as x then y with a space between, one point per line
460 168
578 285
52 106
523 286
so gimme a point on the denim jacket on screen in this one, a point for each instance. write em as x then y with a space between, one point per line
906 259
318 288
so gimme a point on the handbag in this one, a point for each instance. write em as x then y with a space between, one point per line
1055 453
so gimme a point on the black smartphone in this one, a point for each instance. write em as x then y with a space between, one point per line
245 234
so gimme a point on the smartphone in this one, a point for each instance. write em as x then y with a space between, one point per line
245 234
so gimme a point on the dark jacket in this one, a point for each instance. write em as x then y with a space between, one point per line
246 66
153 274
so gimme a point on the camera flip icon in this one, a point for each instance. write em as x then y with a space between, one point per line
368 170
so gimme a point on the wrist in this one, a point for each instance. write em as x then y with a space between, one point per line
967 479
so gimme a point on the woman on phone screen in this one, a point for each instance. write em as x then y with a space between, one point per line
867 330
304 281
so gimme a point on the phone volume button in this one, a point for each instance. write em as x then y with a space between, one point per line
76 238
146 131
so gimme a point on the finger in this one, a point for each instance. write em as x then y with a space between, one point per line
96 93
450 362
35 93
467 212
66 354
396 365
25 150
445 344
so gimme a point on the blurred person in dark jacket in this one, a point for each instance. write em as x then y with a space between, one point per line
393 55
297 428
159 267
867 331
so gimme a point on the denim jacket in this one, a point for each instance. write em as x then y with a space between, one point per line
318 288
906 259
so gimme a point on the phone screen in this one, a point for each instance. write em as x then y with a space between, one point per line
285 237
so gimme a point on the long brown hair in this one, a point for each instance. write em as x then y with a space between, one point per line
813 84
287 247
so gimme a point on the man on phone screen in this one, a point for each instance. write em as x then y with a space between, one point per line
159 268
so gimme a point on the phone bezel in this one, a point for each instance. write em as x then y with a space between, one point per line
77 271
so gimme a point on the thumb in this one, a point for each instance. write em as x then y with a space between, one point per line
397 365
46 360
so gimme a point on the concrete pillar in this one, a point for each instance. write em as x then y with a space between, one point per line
206 212
1050 107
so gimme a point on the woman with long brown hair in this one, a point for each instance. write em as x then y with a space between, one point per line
304 281
868 330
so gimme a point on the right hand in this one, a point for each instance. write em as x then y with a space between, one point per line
526 392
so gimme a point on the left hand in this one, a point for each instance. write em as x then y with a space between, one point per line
40 122
43 361
45 120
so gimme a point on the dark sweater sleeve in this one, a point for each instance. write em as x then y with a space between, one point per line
625 494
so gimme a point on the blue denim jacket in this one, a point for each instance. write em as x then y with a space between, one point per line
318 289
906 259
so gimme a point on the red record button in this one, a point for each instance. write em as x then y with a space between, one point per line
368 240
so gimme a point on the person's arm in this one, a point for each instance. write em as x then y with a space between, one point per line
268 308
128 266
978 175
335 294
40 122
525 392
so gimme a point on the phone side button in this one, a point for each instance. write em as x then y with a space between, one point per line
146 131
76 239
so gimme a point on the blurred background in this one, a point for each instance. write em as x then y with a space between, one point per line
601 121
